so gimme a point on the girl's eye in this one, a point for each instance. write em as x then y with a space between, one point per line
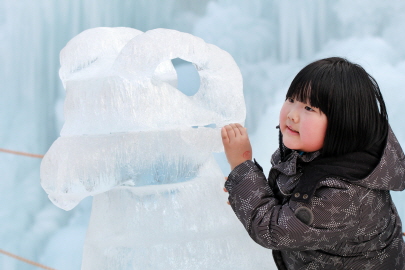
309 109
291 100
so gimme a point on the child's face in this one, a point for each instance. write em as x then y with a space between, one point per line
303 127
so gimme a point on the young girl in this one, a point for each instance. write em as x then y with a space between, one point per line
326 203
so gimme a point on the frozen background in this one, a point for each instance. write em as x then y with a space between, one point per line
270 40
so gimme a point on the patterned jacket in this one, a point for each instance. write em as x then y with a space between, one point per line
315 219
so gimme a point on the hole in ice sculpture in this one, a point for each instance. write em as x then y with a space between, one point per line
188 79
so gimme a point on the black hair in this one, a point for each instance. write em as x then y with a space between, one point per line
351 100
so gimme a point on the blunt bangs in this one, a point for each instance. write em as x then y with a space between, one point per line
351 100
310 86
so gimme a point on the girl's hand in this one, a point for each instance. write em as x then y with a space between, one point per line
236 143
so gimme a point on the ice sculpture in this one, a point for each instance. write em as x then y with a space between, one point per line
144 151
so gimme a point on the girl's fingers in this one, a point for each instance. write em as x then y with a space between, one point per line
224 135
226 178
236 129
225 189
228 203
231 132
242 131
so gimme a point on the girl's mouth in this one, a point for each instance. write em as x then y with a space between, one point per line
292 130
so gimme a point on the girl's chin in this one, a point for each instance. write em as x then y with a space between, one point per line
290 145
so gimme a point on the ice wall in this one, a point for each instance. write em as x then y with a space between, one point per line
31 95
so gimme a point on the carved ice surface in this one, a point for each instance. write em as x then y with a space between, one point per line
134 92
143 149
119 93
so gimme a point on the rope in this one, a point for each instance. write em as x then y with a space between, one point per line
8 253
26 260
21 153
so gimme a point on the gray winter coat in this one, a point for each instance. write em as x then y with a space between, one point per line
315 219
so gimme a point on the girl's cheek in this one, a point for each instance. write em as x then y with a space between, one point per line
283 114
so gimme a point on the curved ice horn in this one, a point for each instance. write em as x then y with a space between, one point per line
221 86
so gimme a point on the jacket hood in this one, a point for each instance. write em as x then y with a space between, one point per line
389 174
382 167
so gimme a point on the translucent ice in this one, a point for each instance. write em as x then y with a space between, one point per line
143 149
120 93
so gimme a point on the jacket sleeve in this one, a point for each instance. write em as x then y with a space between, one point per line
275 225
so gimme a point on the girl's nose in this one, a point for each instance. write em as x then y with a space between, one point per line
293 116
